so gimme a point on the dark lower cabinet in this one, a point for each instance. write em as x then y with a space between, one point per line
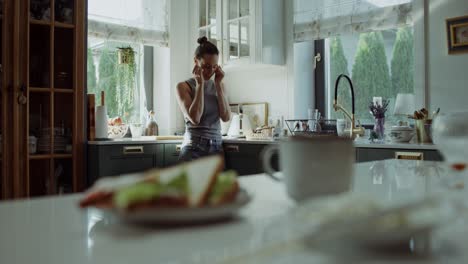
171 154
112 160
246 159
375 154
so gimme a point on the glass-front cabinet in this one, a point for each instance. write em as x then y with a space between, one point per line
51 96
237 28
208 21
41 97
245 31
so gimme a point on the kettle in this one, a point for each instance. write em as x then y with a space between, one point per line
240 126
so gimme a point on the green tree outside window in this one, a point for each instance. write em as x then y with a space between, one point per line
339 65
402 64
371 73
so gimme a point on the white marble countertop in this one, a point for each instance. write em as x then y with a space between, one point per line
226 140
54 230
391 145
135 141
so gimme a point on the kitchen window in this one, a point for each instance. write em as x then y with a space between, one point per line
121 82
372 41
380 63
140 25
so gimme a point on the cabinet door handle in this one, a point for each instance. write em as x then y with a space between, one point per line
409 155
22 99
133 150
178 148
231 148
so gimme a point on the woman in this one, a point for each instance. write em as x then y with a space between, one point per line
204 103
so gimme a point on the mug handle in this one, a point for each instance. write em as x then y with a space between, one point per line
266 157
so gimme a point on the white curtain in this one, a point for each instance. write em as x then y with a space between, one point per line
318 19
138 21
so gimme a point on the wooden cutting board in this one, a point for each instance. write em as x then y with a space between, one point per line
169 137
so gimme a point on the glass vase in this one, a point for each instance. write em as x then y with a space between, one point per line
379 127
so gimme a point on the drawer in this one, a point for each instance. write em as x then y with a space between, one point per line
374 154
113 160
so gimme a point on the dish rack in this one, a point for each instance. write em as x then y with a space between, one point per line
312 127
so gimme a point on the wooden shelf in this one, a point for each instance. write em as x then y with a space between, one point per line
50 156
47 90
39 90
63 156
62 90
39 22
63 25
40 156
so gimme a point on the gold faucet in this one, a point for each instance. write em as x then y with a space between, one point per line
353 131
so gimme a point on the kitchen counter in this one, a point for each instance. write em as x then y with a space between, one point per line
357 144
53 230
138 141
391 145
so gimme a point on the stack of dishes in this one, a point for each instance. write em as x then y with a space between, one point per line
60 141
60 144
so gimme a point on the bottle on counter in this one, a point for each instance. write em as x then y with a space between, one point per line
152 128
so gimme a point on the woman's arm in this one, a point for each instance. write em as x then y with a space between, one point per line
192 108
223 103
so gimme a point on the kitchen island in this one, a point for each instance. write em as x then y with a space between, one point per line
54 230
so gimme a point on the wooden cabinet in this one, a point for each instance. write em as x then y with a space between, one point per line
6 97
47 97
245 31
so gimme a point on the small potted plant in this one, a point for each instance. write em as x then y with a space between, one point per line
126 55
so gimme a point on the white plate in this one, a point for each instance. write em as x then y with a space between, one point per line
182 215
388 225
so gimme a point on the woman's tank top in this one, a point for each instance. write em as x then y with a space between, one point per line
210 125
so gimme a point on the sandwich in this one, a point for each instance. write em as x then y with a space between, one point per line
195 184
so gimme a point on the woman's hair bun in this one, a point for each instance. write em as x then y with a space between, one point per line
202 40
205 47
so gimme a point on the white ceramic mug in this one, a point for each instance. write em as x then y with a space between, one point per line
313 166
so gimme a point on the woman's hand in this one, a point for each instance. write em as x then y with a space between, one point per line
198 75
219 74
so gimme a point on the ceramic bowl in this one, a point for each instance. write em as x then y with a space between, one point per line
401 134
116 132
